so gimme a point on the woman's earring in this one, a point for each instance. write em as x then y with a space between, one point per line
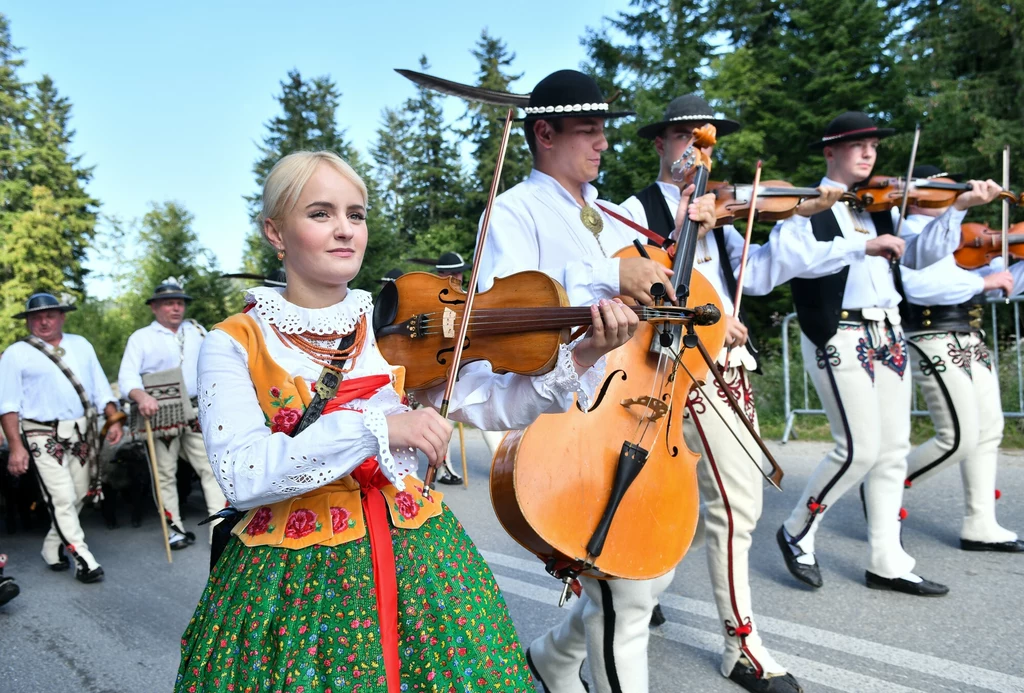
280 255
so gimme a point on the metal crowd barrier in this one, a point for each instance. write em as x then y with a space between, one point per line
792 411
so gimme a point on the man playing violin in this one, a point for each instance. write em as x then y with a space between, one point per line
551 222
730 481
951 364
850 311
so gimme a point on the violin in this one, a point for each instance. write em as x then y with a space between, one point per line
979 244
517 325
776 200
882 193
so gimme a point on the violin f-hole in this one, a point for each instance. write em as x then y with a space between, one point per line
442 297
440 356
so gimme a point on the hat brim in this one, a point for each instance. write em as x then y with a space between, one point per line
723 126
453 270
62 309
880 134
164 297
575 114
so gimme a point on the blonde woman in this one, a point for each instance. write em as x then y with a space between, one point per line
342 575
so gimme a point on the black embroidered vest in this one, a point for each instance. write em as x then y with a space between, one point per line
819 301
661 221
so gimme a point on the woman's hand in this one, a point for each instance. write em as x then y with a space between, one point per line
424 430
613 324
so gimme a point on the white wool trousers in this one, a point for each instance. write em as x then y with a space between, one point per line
955 374
59 452
862 380
190 445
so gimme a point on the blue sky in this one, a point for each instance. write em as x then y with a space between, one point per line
170 98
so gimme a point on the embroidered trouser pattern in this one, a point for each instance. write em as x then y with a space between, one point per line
190 443
961 390
60 459
861 381
731 491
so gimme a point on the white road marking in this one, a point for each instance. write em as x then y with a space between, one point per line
926 664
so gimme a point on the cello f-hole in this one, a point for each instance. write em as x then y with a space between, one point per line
604 388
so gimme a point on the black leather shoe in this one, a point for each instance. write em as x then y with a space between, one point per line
87 576
62 564
8 590
657 616
449 479
746 676
998 546
808 574
925 588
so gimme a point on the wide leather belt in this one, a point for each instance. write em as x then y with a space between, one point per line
964 317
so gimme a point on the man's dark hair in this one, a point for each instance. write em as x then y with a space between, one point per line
531 138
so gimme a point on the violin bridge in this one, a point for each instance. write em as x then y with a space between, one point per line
448 323
654 406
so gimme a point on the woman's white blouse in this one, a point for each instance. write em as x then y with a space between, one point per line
255 466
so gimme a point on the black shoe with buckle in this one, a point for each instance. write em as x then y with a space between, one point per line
449 479
62 563
806 573
746 676
1016 546
925 588
87 576
8 590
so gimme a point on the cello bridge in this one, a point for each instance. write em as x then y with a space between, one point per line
655 407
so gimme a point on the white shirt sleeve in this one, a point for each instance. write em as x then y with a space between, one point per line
512 247
494 402
10 383
793 251
1016 269
941 285
128 375
254 466
938 239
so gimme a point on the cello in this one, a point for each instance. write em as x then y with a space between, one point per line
612 492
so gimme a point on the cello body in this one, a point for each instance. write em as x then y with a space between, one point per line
551 483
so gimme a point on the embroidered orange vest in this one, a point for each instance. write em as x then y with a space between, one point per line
329 515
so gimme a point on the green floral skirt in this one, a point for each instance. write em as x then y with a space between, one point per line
296 621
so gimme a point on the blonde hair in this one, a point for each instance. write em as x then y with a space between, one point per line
284 184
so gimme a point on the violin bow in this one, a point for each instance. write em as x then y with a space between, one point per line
746 251
493 97
906 185
1006 212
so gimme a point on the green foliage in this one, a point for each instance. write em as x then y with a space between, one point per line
307 122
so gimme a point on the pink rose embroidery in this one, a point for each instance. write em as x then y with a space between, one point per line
285 420
300 523
339 519
407 505
275 392
260 522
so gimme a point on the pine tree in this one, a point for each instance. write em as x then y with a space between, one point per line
486 124
308 121
962 66
436 189
660 58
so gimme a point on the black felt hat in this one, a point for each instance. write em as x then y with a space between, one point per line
852 125
168 288
37 303
391 275
689 108
568 94
929 171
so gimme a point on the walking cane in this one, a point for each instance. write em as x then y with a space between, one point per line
462 449
156 486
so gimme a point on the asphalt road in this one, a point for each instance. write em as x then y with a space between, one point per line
123 634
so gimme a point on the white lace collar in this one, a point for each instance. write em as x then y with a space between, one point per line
289 318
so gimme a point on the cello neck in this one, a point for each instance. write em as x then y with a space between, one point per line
687 245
